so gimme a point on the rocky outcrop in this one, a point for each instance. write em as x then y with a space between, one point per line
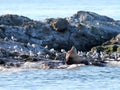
83 30
31 40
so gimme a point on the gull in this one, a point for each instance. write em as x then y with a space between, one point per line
46 47
31 53
80 53
118 58
33 45
13 38
63 51
6 38
101 56
39 53
88 54
15 47
28 44
21 50
52 50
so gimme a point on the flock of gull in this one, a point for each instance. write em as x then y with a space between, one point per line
35 51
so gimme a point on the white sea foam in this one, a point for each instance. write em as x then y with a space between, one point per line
113 63
4 70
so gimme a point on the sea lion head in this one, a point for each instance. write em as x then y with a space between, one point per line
71 52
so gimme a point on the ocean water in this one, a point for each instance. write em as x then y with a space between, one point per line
81 78
41 9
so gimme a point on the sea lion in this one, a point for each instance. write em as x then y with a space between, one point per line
73 58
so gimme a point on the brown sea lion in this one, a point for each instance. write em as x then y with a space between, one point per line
73 58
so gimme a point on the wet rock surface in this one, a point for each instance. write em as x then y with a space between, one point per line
25 40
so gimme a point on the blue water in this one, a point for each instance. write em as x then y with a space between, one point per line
41 9
82 78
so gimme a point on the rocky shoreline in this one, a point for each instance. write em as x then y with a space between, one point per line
43 44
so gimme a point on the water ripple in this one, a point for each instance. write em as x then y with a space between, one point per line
83 78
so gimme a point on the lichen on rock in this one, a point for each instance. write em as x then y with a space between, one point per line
59 24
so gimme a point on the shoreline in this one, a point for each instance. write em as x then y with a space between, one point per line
38 62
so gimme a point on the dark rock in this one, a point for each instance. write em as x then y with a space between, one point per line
31 59
91 16
86 62
54 64
2 62
13 20
114 40
17 65
24 56
98 63
11 64
59 24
